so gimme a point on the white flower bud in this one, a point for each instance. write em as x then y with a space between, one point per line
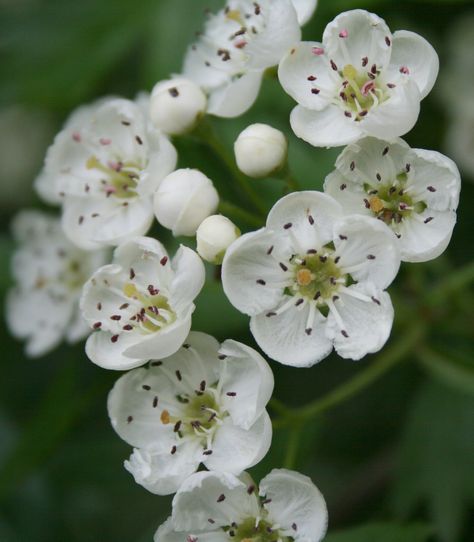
183 200
260 150
176 105
215 234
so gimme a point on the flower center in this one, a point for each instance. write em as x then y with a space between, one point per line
121 178
256 530
360 91
153 311
392 202
317 276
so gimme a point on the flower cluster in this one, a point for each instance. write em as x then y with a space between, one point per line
313 279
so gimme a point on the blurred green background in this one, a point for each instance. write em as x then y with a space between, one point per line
395 462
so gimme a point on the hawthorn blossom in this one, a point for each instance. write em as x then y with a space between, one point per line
414 191
140 305
361 80
204 404
312 279
238 44
104 167
43 306
220 507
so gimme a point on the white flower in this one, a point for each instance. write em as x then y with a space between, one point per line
106 165
204 404
214 236
260 150
176 105
414 191
220 507
43 307
140 305
237 45
361 80
313 279
183 200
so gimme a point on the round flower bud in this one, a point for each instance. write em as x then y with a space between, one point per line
183 200
213 236
260 150
176 105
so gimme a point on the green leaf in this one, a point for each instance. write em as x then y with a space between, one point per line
382 532
436 462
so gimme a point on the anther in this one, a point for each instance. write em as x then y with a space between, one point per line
315 91
429 219
250 489
178 375
173 92
116 317
139 140
221 498
333 65
283 266
130 419
231 393
173 450
97 325
343 186
260 281
311 78
177 426
114 338
387 41
352 166
375 300
365 61
431 188
164 260
287 226
308 330
270 250
310 219
146 387
299 301
344 333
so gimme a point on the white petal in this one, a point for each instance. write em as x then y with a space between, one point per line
363 161
110 355
306 217
189 278
196 502
281 31
236 96
412 51
164 342
163 473
368 250
295 502
421 241
365 36
78 328
249 376
235 449
304 9
349 194
300 64
163 160
433 169
326 128
367 324
134 414
284 338
397 115
166 533
246 261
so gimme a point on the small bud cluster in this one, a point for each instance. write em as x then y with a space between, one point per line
313 279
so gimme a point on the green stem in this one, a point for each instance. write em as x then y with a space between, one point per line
227 208
292 447
206 133
362 380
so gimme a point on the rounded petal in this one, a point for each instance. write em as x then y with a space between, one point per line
307 217
236 96
297 70
296 504
189 277
246 261
366 322
284 337
235 449
326 128
397 115
425 236
200 499
281 32
368 250
369 159
356 34
164 342
412 51
247 375
349 194
104 352
304 10
163 473
437 180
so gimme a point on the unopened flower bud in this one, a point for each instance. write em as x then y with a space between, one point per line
176 105
183 200
260 150
215 234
